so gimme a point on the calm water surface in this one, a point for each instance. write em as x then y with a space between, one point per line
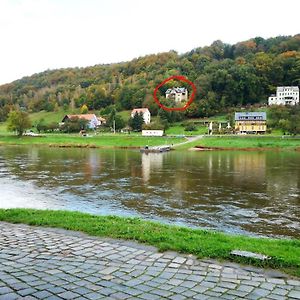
238 192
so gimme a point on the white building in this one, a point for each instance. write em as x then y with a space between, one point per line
285 95
153 132
146 114
178 94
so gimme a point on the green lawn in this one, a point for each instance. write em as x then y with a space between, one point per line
3 129
50 117
179 130
284 254
103 140
240 142
125 114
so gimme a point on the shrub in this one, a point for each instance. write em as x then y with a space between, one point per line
190 127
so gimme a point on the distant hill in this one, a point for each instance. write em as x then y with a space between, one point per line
225 76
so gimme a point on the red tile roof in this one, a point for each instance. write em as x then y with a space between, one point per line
87 117
139 110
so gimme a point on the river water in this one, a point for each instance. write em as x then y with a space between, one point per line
254 193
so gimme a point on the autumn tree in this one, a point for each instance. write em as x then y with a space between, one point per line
84 109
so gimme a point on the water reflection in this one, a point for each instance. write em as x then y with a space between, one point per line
150 161
242 192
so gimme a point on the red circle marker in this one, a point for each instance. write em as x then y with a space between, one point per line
180 78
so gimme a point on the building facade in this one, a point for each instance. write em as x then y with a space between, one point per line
285 95
250 122
146 114
177 94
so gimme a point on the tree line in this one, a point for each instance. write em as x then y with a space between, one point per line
225 76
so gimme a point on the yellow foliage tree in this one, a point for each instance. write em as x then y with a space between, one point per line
84 109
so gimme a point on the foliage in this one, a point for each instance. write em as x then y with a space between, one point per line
136 123
225 76
74 124
18 121
119 122
4 111
42 126
157 125
190 127
84 109
286 118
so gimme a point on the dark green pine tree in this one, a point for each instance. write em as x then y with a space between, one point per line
136 123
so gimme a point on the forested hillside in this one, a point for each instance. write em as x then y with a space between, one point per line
225 76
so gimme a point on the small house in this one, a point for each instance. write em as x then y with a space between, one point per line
144 111
93 121
178 94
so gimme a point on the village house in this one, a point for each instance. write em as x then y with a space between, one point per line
146 114
250 122
93 120
285 95
177 94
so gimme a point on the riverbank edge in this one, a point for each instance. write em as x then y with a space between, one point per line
207 148
84 146
284 253
193 148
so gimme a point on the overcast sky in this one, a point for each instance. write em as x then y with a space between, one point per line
46 34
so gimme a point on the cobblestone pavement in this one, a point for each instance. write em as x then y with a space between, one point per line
40 263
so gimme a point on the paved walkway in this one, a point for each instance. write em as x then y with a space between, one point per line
39 263
189 140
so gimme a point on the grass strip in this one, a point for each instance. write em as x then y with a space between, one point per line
69 140
246 142
284 253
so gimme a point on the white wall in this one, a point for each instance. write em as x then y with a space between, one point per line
152 132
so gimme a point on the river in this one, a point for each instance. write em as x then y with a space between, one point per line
253 193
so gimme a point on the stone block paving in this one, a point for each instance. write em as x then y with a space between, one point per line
44 263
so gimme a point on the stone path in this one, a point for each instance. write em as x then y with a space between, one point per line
39 263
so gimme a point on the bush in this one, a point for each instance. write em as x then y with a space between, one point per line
74 125
154 126
190 127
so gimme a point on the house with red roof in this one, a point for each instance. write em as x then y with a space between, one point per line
93 121
146 114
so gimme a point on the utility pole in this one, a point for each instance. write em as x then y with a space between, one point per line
114 124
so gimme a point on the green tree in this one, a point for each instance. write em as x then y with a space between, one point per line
295 125
73 125
41 125
18 121
111 117
119 122
136 123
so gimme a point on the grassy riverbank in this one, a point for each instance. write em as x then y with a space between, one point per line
105 140
285 254
245 142
137 140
